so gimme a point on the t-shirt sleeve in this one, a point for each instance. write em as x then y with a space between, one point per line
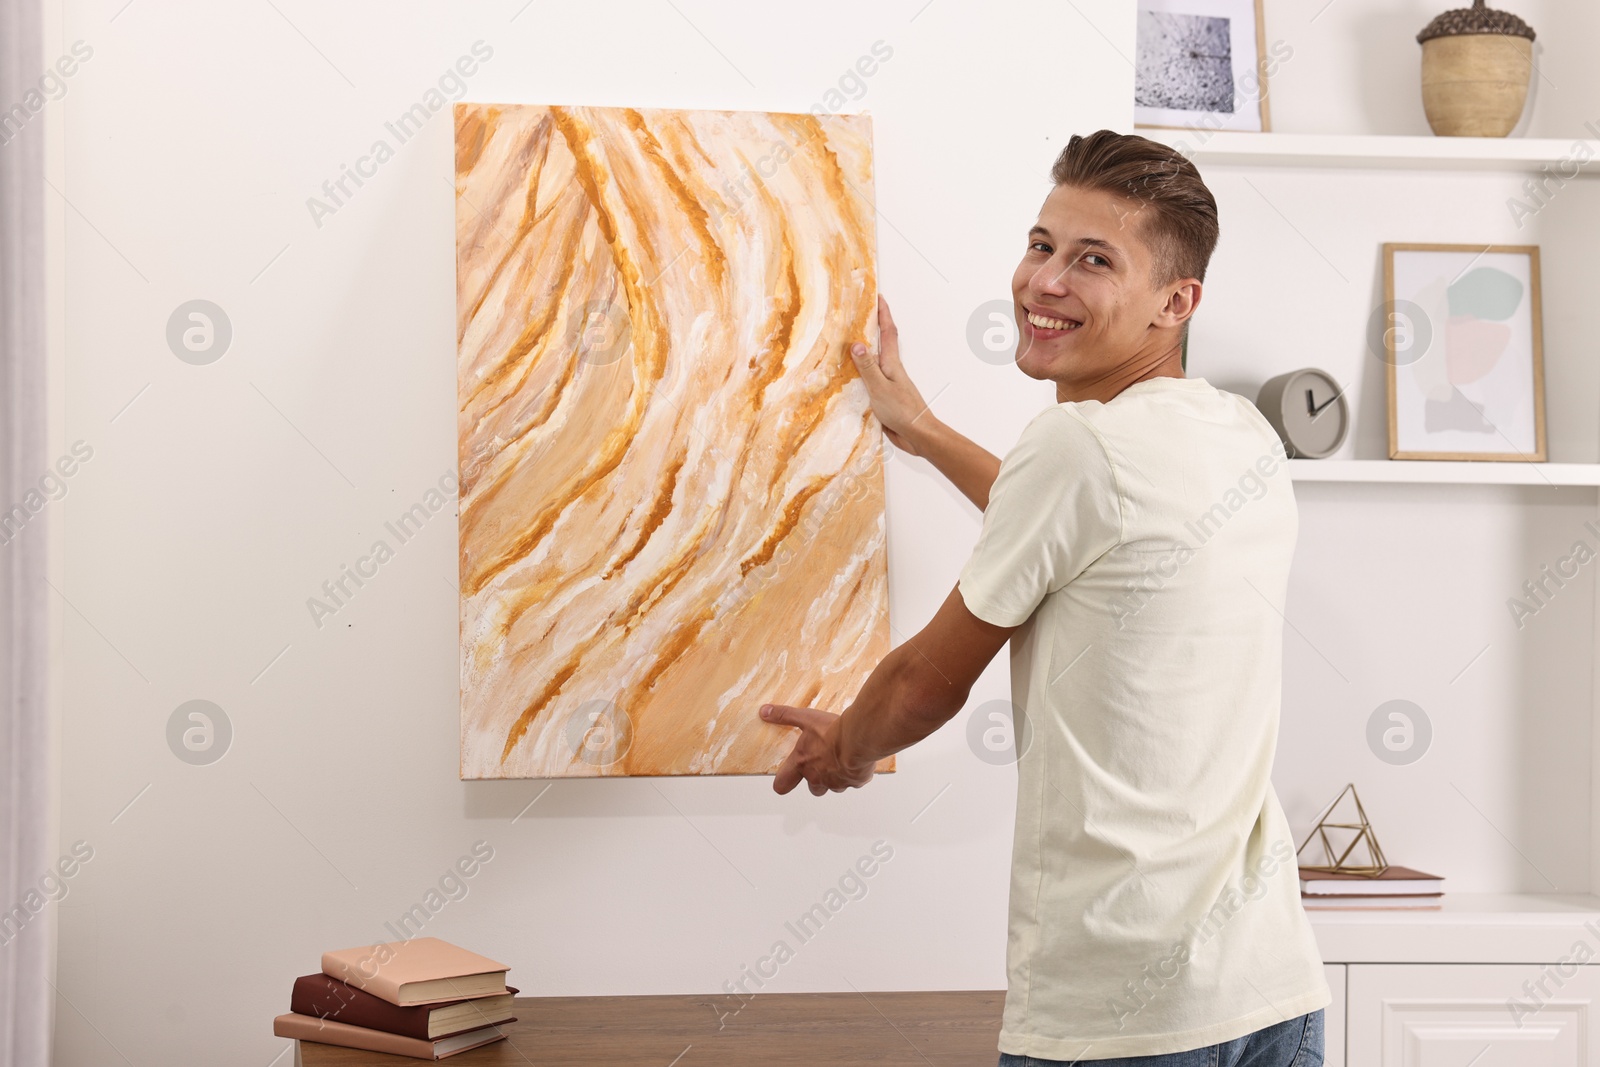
1054 509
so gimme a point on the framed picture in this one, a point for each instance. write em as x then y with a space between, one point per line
1463 342
1201 64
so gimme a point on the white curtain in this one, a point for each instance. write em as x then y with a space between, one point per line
26 850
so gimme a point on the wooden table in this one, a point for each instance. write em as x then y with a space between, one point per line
942 1029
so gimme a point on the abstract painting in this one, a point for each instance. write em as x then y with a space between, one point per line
1462 338
671 503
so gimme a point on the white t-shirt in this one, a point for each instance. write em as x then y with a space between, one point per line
1143 545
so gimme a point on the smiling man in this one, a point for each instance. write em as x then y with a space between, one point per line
1155 913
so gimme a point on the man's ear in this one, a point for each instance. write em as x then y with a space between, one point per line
1183 299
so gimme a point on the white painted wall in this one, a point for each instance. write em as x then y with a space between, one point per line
223 496
219 497
1357 65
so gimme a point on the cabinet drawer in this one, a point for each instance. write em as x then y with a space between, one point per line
1488 1015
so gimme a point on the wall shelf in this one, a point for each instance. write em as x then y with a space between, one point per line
1468 928
1380 151
1444 472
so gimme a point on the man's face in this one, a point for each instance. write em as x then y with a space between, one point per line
1083 296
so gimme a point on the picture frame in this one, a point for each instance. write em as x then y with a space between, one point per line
1181 84
1463 344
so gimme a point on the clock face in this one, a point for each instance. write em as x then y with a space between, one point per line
1315 416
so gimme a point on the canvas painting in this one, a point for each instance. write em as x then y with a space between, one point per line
1464 352
671 504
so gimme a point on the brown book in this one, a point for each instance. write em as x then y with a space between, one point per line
423 970
328 998
1394 881
328 1032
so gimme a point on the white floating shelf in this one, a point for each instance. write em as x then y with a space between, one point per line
1468 928
1372 150
1417 471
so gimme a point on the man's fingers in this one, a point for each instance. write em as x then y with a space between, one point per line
889 342
867 363
885 362
812 725
788 776
801 718
778 714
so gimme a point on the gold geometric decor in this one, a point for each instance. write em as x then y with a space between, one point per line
1336 857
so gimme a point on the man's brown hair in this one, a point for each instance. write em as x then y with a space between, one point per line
1178 213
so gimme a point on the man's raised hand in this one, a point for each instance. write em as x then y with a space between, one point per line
895 400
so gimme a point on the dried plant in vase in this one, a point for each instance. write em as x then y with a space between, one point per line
1476 66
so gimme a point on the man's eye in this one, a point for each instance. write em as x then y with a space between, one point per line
1104 262
1040 246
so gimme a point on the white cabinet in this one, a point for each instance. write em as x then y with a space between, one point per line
1486 1015
1333 1017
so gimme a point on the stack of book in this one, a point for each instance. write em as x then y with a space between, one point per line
423 997
1396 887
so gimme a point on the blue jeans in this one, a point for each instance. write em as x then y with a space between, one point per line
1296 1043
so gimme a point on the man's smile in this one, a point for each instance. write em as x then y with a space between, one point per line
1046 327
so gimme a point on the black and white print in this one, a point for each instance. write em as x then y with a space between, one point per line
1185 62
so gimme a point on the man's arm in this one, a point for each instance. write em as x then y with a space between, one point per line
910 426
970 467
916 689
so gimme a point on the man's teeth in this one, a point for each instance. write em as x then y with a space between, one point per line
1052 324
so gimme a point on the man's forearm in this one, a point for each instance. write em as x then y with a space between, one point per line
897 707
970 467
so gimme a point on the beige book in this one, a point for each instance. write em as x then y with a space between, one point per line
305 1028
423 970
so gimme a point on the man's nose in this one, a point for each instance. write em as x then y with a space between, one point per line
1050 279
